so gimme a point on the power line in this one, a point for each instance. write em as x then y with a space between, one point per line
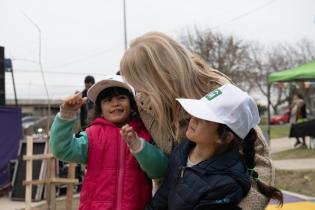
50 85
85 58
57 72
244 14
40 84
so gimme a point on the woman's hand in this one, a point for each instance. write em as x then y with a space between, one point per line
131 137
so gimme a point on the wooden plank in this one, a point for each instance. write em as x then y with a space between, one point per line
51 187
52 181
64 181
38 157
18 189
29 169
42 175
71 175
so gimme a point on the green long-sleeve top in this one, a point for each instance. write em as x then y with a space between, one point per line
74 148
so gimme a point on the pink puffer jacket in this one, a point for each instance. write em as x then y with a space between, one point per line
114 179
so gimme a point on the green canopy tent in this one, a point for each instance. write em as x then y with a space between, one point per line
302 73
305 72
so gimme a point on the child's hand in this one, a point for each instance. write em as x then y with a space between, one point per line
74 102
128 133
131 137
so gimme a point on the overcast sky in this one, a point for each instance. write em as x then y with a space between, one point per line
81 37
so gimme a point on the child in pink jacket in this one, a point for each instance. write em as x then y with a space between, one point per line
114 179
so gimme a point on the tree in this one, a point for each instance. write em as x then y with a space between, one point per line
279 57
248 63
224 53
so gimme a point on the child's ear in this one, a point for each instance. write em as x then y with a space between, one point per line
228 138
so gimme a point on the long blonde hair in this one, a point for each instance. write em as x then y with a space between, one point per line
162 69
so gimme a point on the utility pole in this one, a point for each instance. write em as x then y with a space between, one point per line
2 77
125 25
9 68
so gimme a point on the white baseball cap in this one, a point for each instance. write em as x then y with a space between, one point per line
227 105
109 81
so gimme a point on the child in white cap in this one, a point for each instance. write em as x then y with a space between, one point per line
207 170
114 179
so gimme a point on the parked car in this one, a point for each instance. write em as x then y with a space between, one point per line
27 121
38 125
281 118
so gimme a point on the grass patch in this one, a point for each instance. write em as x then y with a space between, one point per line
296 153
299 181
277 131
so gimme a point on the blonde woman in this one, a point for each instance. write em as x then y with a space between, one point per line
161 70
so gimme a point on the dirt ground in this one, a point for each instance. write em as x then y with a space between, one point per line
302 182
297 153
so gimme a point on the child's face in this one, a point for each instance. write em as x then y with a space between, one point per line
116 109
202 131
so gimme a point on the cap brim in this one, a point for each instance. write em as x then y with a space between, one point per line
102 85
199 109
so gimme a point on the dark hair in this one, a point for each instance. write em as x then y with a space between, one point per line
248 148
115 91
89 79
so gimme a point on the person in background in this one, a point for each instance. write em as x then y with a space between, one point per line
113 179
161 70
298 114
86 111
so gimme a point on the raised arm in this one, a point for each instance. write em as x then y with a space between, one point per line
64 145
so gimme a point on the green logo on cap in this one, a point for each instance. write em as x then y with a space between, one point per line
213 94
